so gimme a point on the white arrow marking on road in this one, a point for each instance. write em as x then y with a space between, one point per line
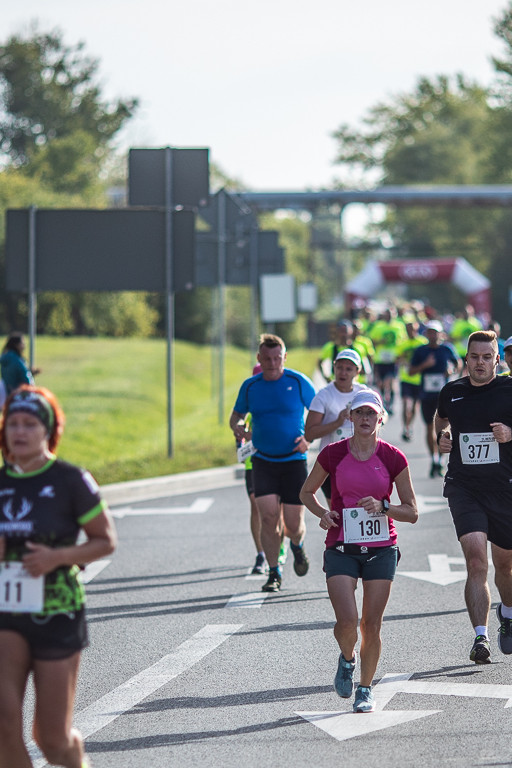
93 569
440 571
401 683
198 507
341 726
347 725
139 687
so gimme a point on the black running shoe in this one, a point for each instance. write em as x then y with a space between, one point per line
300 561
259 565
504 632
273 583
481 650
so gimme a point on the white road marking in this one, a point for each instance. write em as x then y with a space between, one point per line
124 697
347 725
400 683
247 600
341 726
198 507
440 571
428 504
93 569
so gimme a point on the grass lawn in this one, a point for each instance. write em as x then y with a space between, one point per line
114 394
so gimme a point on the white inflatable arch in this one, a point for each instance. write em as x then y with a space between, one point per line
457 271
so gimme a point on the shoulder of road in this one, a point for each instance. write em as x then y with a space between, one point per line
167 485
186 482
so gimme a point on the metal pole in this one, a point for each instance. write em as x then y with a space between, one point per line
214 341
32 295
221 213
169 293
343 262
253 277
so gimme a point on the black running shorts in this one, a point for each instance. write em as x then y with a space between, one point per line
49 637
489 512
376 563
386 370
249 487
410 390
428 408
282 478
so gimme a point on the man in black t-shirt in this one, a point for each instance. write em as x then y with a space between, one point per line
473 424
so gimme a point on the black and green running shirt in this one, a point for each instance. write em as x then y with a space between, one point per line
49 507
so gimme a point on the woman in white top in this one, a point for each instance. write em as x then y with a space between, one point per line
329 412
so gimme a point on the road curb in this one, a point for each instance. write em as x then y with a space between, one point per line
158 487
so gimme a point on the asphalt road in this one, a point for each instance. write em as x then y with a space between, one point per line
190 664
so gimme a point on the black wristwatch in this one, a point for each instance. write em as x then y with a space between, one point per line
385 506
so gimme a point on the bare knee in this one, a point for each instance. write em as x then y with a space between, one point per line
296 532
370 629
270 522
477 566
502 569
345 629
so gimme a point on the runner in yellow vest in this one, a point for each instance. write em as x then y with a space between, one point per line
462 328
387 333
410 385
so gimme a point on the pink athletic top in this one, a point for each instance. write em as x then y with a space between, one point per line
351 480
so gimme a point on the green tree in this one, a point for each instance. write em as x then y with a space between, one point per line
49 92
443 132
117 314
57 151
435 134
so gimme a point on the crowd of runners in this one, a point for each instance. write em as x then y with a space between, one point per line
453 370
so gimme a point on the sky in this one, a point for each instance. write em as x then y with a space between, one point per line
265 84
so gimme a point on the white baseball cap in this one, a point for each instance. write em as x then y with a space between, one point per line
367 397
434 325
349 354
508 342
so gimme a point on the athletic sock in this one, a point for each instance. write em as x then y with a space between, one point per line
506 612
481 630
276 570
295 547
